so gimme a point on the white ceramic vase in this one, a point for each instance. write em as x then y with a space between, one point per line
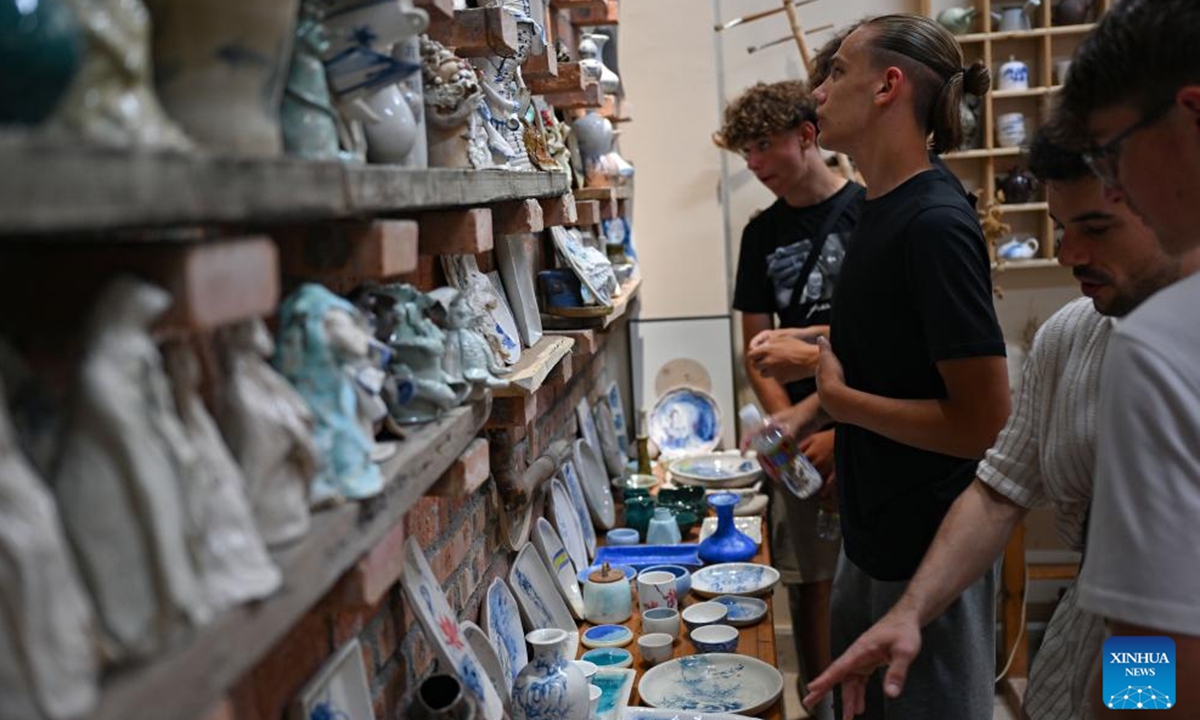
591 51
392 135
550 687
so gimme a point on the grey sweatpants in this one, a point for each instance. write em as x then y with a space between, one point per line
953 676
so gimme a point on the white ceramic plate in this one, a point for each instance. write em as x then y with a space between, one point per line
714 682
587 425
502 619
616 684
428 602
751 526
566 521
516 269
613 393
641 713
570 476
339 689
734 579
596 487
540 603
685 421
742 611
716 470
488 659
610 451
558 562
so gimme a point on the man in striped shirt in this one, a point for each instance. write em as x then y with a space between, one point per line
1045 452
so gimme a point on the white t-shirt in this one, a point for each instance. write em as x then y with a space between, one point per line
1046 452
1144 539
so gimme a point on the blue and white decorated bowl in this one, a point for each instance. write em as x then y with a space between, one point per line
742 611
603 636
734 579
715 638
712 683
716 470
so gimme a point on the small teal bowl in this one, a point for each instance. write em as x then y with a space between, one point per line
683 578
629 570
622 536
609 657
715 639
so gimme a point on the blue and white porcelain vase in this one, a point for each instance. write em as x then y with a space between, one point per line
663 529
727 543
549 687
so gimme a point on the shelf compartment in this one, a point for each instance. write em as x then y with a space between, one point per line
981 153
1031 92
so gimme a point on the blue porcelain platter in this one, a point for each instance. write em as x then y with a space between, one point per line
743 611
734 579
609 657
685 421
641 557
606 636
716 682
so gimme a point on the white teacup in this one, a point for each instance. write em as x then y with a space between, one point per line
657 590
656 647
661 620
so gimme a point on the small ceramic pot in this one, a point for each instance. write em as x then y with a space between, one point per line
1014 75
656 589
40 47
638 512
621 536
1019 186
661 620
1018 248
607 597
683 578
1010 129
704 613
656 647
715 639
663 530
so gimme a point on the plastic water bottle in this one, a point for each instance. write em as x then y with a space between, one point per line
779 454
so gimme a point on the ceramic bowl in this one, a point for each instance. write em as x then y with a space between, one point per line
609 657
661 620
742 611
734 579
716 470
622 536
629 570
732 683
715 638
606 636
705 613
656 647
683 578
635 481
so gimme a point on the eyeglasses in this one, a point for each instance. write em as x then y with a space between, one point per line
1103 159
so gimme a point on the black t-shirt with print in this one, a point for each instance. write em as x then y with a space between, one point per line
915 289
775 246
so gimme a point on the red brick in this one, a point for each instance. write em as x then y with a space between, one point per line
378 570
384 638
273 683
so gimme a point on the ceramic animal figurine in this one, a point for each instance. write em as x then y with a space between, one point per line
420 347
309 121
317 342
43 40
47 660
493 319
231 558
453 97
556 140
957 20
591 51
118 480
111 101
505 93
269 429
468 357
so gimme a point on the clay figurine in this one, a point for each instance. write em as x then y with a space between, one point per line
505 93
468 355
230 555
308 118
319 335
492 317
47 660
269 428
420 347
453 96
118 480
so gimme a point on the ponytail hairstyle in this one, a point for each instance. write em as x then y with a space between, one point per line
932 59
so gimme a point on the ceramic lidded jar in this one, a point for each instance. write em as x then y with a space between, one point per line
607 597
549 686
663 529
727 543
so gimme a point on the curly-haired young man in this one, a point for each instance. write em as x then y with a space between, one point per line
790 258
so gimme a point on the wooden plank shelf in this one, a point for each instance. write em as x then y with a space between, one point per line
981 153
1024 207
1025 34
186 682
535 366
1030 264
1031 92
591 96
603 194
621 303
49 189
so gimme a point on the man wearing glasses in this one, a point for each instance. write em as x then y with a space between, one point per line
1134 89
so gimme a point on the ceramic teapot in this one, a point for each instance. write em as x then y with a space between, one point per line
1073 12
1018 247
957 20
1015 18
1019 186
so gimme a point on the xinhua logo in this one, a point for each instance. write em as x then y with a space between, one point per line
1139 673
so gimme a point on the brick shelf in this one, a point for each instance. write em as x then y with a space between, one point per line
186 682
52 189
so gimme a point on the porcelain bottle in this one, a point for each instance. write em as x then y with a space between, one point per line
727 543
441 697
607 597
663 529
549 687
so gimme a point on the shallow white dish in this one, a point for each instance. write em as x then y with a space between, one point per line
715 682
616 685
734 579
641 713
440 624
606 636
502 620
570 477
685 421
587 426
609 657
558 562
752 506
541 605
486 652
596 487
566 522
750 525
339 689
716 470
742 610
613 394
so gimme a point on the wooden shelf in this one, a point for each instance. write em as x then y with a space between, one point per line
1025 207
536 365
88 190
1025 34
621 304
981 153
1030 264
1031 92
188 681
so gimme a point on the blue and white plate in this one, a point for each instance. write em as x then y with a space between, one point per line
616 684
541 604
502 622
742 611
565 515
734 579
596 488
570 477
716 470
489 659
606 636
715 682
609 657
641 713
685 421
558 562
613 394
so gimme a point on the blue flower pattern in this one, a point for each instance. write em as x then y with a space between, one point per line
501 615
464 663
701 686
544 619
733 580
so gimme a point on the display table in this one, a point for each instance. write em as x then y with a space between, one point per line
756 641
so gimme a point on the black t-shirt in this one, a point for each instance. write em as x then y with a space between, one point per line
775 246
915 289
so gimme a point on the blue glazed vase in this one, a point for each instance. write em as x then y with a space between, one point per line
40 47
549 687
727 543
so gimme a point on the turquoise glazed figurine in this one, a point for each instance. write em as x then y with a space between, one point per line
40 47
419 347
314 351
727 543
308 118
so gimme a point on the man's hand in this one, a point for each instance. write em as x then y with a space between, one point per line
783 357
818 448
831 379
894 641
